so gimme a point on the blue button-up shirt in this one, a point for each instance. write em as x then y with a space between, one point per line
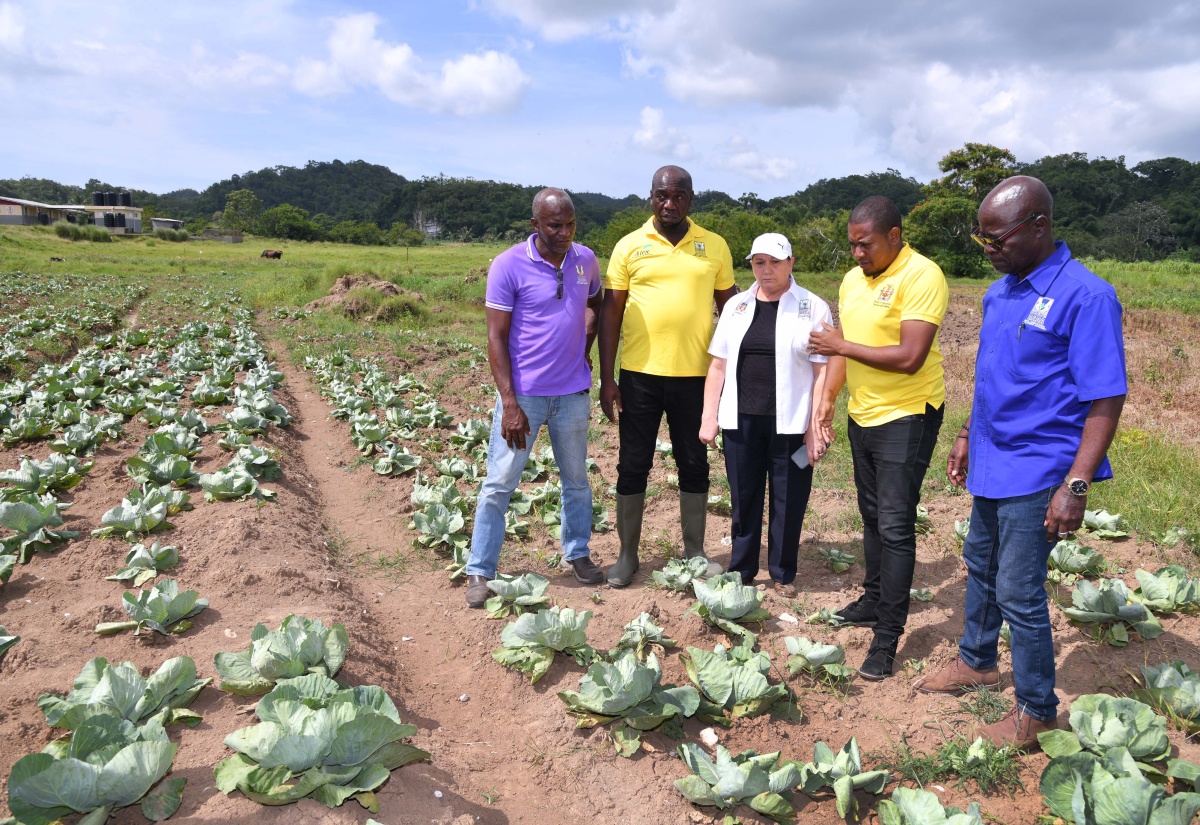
1050 345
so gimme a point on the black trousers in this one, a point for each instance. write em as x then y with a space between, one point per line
890 461
645 398
758 460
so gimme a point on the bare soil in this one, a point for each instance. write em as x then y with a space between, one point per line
336 546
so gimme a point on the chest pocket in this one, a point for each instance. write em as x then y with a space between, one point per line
1034 353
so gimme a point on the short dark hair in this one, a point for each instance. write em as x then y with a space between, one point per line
878 212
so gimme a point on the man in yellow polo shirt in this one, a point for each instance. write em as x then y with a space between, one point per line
890 307
659 291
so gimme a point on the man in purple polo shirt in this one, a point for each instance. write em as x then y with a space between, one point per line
542 297
1049 388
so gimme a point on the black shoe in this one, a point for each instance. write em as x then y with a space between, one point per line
880 658
477 591
858 613
586 570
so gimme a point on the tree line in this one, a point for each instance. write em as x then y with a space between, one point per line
1103 208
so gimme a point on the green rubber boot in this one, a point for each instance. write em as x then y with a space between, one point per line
629 530
693 513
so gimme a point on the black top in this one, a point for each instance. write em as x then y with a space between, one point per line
756 362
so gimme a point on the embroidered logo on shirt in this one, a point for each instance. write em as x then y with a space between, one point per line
580 278
884 298
805 310
1037 315
740 309
644 251
700 253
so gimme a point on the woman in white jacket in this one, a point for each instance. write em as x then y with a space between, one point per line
761 392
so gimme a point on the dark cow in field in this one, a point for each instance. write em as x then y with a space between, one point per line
272 253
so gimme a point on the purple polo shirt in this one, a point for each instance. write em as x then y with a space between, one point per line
1050 345
548 334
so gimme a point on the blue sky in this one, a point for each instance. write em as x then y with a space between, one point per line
761 96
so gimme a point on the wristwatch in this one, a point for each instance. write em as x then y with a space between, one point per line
1078 486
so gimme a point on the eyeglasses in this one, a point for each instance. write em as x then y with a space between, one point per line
985 241
558 273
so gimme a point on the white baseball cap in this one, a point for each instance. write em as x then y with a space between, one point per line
772 244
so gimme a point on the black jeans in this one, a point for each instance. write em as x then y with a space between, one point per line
890 461
759 459
645 398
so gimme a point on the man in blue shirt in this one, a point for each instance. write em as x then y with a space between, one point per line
1049 388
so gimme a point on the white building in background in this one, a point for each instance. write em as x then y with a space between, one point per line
20 212
119 220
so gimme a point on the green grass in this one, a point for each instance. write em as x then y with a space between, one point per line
1165 285
1155 482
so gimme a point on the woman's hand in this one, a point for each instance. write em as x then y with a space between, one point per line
815 442
708 431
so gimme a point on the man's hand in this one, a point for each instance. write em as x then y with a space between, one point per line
1065 514
514 426
824 422
956 464
825 341
610 399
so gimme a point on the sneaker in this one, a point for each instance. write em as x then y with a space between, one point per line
586 570
477 591
858 613
957 678
881 656
1017 729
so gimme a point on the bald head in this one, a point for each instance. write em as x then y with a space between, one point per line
1018 214
672 177
1018 196
551 199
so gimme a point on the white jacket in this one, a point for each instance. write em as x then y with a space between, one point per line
800 312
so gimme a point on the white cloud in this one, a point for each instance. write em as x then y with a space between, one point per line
12 27
739 155
923 78
562 20
654 135
473 84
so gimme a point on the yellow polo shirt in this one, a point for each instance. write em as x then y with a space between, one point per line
669 309
913 288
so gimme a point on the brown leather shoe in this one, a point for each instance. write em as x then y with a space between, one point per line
956 679
477 591
1017 729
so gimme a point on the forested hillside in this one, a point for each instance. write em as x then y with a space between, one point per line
1103 207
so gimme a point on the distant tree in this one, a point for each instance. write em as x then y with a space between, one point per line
820 244
363 233
1174 183
242 208
287 221
738 227
1085 191
400 235
940 228
940 225
602 239
830 196
972 171
1139 232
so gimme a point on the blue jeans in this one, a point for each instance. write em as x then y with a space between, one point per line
566 417
1005 553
